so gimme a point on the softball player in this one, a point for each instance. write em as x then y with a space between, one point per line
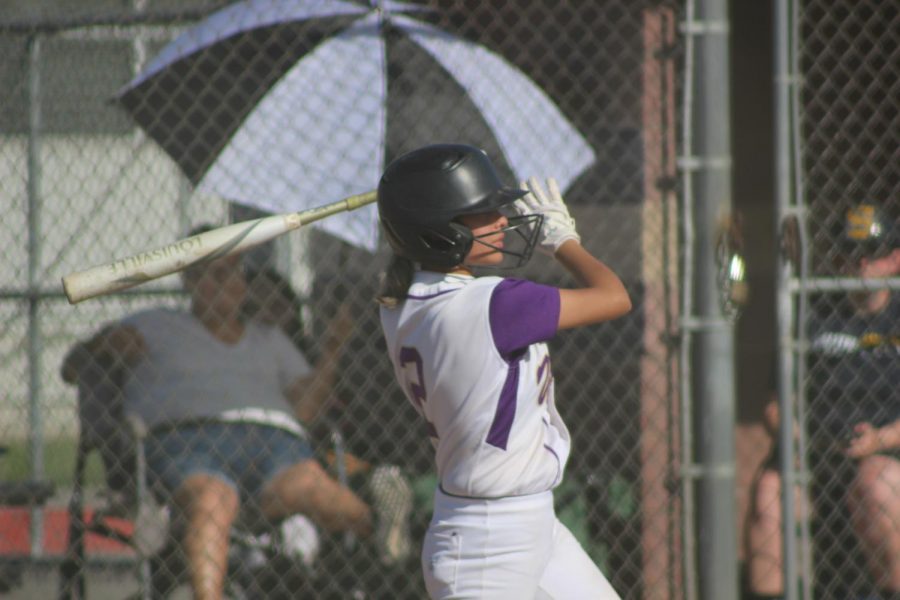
471 355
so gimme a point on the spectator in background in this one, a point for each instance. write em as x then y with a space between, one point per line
856 373
763 539
272 301
221 397
872 366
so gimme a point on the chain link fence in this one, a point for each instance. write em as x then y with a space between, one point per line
84 184
841 244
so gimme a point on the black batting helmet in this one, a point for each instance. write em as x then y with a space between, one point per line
423 192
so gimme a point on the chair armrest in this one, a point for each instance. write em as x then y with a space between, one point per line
22 493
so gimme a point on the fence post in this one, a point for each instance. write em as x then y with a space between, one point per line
713 356
35 432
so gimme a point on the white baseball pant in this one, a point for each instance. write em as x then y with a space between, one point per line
506 549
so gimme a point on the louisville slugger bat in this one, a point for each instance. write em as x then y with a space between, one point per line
127 272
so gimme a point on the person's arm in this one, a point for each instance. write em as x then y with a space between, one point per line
308 394
869 440
602 296
116 344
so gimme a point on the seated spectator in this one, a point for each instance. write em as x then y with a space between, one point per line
221 397
860 379
763 539
272 301
872 500
856 374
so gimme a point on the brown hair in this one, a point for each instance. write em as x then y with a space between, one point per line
395 282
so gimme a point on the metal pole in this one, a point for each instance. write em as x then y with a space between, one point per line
803 477
785 305
713 356
688 475
841 284
36 437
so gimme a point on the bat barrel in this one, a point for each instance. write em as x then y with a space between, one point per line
152 264
210 245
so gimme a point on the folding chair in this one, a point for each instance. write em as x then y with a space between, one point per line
118 438
104 429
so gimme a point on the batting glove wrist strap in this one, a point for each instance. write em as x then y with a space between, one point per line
559 226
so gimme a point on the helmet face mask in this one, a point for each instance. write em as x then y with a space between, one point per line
423 193
518 245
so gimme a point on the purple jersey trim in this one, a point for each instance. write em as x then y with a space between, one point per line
522 313
430 296
558 463
498 435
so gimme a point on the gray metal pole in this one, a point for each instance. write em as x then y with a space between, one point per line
36 437
689 472
792 302
785 303
785 209
713 356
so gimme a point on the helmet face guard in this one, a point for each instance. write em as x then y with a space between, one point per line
446 246
423 193
521 235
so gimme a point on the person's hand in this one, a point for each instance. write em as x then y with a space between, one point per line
559 226
866 441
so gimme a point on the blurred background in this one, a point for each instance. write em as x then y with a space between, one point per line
113 141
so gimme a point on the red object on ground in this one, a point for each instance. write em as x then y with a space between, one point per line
15 525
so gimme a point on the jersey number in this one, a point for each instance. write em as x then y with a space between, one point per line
409 355
543 370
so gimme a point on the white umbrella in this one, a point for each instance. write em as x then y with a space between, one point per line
288 104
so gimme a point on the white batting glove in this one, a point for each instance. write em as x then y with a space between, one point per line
559 226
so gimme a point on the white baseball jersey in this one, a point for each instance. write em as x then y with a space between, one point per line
470 356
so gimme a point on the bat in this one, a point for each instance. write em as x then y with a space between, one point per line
128 272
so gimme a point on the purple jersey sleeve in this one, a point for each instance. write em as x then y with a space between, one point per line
522 313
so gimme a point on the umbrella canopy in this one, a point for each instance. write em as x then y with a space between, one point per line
288 104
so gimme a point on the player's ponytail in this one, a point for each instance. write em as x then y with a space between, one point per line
395 282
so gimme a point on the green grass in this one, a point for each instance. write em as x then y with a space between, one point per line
59 463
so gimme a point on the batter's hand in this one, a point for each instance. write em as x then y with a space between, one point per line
559 226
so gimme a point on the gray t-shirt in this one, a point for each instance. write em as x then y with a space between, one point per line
189 374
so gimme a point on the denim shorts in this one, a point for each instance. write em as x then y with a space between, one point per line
244 455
